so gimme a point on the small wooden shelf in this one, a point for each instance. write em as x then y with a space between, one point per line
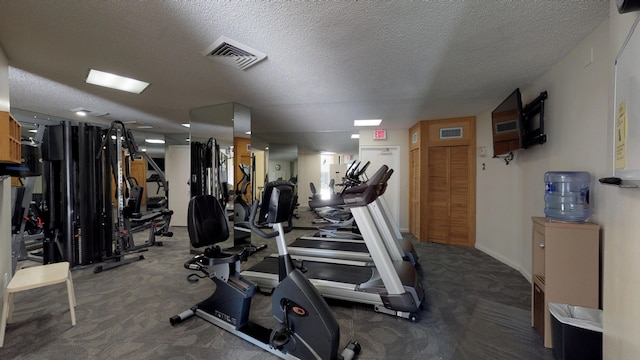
10 146
565 268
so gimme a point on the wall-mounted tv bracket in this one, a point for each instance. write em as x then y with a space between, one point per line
507 157
531 136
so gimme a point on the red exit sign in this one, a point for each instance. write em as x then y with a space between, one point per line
379 134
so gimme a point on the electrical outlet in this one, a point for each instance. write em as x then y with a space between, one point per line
483 151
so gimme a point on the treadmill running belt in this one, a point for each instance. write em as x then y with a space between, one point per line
347 274
360 247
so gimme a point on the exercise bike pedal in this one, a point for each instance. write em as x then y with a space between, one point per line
351 350
280 337
299 264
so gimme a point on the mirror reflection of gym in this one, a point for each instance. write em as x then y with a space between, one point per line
221 163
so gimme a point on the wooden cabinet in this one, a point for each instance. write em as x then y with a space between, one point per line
10 145
565 269
442 181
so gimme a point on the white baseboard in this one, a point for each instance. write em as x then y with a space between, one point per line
505 261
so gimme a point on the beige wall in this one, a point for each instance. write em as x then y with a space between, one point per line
579 127
4 82
308 171
398 138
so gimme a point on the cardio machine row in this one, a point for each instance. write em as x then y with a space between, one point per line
388 282
328 242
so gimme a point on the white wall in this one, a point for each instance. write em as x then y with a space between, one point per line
576 123
177 166
5 189
399 138
618 211
579 123
308 171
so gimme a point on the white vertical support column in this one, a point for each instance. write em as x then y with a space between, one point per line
386 211
384 228
378 251
5 239
5 186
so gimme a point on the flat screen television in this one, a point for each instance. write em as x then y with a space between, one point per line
507 121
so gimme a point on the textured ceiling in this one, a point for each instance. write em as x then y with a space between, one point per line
328 62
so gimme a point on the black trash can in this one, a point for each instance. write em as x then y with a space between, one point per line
576 332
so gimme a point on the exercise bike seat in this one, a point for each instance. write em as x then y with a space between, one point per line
214 256
207 223
207 226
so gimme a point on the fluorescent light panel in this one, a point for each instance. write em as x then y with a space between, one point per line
355 136
117 82
369 122
154 141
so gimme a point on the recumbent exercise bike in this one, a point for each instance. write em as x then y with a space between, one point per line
306 327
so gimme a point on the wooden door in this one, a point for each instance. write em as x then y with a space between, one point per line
137 170
242 155
448 217
414 191
459 196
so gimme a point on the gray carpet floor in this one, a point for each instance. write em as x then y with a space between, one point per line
476 308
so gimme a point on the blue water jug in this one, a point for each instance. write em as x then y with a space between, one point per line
567 195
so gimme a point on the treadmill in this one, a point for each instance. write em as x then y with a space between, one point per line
353 247
393 287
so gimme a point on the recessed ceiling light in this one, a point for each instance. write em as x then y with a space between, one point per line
248 132
355 136
81 111
101 78
33 131
186 125
154 141
143 149
145 127
370 122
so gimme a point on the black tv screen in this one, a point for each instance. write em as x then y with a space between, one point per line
507 122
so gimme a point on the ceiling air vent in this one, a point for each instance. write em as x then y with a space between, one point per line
451 133
233 53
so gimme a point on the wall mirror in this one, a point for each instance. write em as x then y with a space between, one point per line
282 162
221 162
